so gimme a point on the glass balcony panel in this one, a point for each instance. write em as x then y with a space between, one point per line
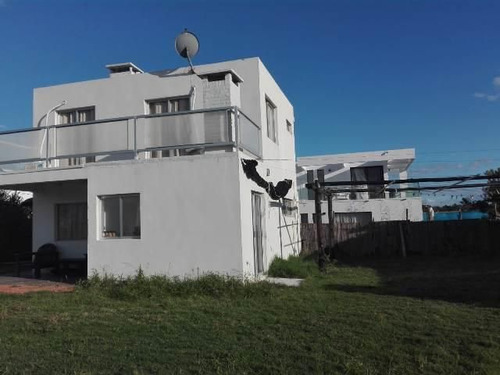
250 138
99 138
23 145
182 130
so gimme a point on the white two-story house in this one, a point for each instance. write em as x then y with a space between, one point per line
144 170
377 203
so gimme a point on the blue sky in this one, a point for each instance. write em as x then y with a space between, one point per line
362 75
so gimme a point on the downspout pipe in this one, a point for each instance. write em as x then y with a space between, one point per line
47 129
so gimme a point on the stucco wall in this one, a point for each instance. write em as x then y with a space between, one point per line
381 209
125 95
190 216
278 163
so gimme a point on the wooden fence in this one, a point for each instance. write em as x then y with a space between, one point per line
395 238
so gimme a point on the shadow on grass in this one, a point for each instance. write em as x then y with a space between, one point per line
469 280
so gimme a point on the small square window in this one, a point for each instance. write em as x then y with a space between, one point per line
289 127
120 216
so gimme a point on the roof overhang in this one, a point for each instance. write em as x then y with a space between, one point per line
399 159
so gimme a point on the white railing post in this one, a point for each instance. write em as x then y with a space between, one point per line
237 132
136 155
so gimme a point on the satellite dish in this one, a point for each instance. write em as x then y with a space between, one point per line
187 46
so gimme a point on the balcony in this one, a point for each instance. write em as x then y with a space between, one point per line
129 138
365 192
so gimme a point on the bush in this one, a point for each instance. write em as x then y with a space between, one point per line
293 267
141 286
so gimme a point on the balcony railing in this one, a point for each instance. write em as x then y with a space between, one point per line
365 192
128 137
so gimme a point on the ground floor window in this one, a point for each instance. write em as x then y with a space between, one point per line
362 218
120 216
71 221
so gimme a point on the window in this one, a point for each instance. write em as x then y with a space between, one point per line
76 115
368 174
304 219
121 216
71 221
271 120
361 218
289 127
169 105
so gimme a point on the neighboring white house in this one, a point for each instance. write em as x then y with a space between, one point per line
143 170
380 203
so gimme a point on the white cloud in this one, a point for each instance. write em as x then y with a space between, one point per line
489 97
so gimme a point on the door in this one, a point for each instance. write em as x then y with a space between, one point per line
258 246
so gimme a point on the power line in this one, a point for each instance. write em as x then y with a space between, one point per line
454 161
435 187
406 180
458 151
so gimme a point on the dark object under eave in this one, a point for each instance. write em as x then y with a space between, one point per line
275 192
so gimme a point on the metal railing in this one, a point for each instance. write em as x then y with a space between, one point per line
365 192
129 136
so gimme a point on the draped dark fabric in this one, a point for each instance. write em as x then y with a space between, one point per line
275 192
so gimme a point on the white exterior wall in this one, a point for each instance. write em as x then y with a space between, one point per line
381 209
278 163
126 94
190 216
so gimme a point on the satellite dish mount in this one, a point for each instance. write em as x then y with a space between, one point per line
187 46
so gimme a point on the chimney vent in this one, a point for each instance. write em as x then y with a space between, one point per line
123 68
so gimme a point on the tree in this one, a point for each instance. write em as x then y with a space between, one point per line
492 192
15 226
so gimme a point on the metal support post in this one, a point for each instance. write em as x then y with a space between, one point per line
319 226
331 223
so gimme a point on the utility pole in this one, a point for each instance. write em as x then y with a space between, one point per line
331 223
319 226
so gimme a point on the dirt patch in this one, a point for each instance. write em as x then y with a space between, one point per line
23 288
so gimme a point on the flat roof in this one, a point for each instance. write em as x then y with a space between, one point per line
396 159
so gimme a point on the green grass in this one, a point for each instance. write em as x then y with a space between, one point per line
293 267
417 316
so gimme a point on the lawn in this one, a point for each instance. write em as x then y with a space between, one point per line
413 316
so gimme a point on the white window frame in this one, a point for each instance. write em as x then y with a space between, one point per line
76 112
105 234
272 120
169 104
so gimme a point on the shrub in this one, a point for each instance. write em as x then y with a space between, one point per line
293 267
